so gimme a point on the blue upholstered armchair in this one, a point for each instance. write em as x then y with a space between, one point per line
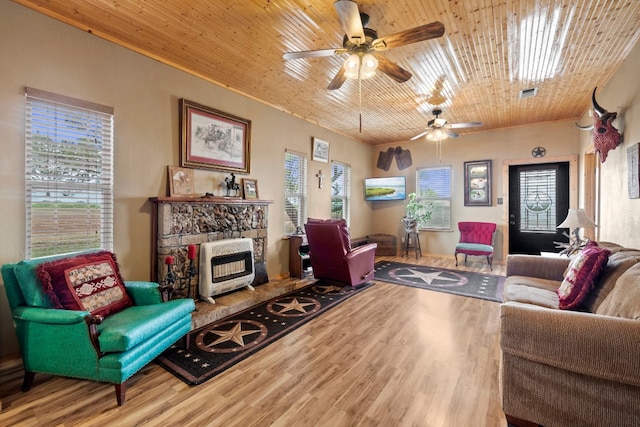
79 344
476 238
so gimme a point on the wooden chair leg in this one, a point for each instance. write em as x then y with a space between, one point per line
187 340
490 261
28 380
121 391
456 256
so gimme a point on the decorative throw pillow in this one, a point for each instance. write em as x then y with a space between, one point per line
581 275
89 282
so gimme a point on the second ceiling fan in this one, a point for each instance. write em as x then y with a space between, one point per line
438 128
363 46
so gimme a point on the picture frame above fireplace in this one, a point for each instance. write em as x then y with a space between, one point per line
212 139
250 188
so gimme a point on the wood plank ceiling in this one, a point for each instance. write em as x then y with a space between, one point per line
491 50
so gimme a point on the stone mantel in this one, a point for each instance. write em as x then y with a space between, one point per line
180 221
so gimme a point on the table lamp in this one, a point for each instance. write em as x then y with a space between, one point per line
575 220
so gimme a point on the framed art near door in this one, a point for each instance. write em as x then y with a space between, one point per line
477 183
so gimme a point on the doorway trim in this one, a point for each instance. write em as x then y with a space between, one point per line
573 188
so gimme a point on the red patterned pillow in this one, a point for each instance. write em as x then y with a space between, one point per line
89 282
582 274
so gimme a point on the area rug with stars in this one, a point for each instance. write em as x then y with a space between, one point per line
465 283
222 344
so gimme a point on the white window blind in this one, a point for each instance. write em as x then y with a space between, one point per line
433 185
69 174
340 190
295 192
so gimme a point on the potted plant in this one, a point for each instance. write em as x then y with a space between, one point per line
416 211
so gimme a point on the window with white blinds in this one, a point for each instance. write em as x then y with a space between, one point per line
295 192
433 186
69 174
340 190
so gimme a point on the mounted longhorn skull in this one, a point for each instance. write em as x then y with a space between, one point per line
605 136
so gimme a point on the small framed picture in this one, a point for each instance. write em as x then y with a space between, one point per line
320 150
477 183
180 181
250 187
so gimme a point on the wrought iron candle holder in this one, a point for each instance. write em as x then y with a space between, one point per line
173 282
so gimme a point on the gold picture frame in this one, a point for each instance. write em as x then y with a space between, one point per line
212 139
181 181
250 188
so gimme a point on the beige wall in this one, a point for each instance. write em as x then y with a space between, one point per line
619 215
560 139
45 54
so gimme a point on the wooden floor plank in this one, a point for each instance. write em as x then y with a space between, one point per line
389 356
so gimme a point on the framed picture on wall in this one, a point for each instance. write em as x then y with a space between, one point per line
212 139
477 183
320 151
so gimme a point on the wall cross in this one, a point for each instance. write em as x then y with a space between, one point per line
320 176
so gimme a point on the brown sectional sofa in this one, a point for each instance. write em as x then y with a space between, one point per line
571 368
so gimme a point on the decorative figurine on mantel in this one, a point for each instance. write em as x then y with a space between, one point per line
233 188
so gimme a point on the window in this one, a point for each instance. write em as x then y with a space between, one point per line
433 185
69 174
295 192
538 200
340 190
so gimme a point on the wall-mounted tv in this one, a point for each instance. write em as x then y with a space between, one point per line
387 188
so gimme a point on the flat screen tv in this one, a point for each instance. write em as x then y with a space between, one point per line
387 188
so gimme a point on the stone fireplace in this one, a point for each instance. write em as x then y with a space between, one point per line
180 221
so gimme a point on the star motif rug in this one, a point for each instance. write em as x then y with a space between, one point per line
222 344
465 283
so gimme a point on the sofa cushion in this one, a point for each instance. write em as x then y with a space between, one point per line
134 325
528 290
624 298
581 276
618 264
88 282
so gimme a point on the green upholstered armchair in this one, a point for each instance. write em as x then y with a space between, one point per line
75 343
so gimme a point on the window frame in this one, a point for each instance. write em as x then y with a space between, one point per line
301 196
346 186
69 167
421 189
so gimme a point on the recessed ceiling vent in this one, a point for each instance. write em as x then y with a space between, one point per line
528 93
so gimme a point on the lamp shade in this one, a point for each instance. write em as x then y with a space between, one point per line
437 135
577 218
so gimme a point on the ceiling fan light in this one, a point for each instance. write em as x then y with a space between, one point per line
439 122
351 66
437 135
368 67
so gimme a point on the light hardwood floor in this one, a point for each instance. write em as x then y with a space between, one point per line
390 356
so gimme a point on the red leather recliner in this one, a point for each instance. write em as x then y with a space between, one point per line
332 258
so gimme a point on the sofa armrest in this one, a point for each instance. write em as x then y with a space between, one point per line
599 346
143 293
537 266
51 316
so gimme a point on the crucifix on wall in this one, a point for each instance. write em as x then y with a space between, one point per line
320 176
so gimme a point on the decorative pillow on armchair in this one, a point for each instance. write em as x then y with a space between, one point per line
582 274
89 282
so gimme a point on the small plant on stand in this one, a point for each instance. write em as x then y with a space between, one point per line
416 212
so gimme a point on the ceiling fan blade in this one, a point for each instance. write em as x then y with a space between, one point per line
313 53
420 135
338 80
350 20
392 69
464 125
414 35
450 133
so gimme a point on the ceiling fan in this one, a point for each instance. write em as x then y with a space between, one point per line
363 44
438 128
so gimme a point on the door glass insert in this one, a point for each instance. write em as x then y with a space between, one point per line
538 201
